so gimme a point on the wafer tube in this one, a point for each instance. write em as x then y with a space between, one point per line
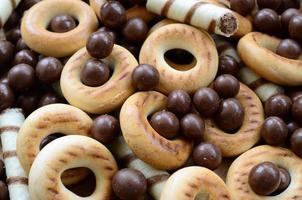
17 181
6 9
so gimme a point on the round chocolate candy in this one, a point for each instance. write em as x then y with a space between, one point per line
286 4
129 184
285 180
264 178
207 155
206 101
292 127
192 127
278 105
267 21
95 73
230 115
165 123
6 52
295 27
7 96
296 142
13 35
21 45
289 48
243 7
179 102
274 131
111 32
226 86
49 98
297 110
105 128
145 77
49 139
113 14
272 4
295 95
287 15
28 101
135 30
62 23
4 195
228 65
25 56
21 77
49 70
100 44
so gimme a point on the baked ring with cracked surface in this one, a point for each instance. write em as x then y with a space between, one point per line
257 50
69 152
181 36
143 140
248 134
54 118
237 177
36 20
104 98
194 182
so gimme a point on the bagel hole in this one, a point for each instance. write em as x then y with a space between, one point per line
180 59
58 26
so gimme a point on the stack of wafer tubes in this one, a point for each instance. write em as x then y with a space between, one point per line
6 9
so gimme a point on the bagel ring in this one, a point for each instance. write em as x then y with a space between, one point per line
104 98
248 134
257 50
36 20
143 140
184 37
237 177
69 152
194 182
53 118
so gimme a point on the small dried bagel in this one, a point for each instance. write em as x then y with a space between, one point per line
237 177
143 140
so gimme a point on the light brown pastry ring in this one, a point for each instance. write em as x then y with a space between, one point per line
233 144
104 98
194 182
143 140
70 152
181 36
36 20
54 118
257 50
237 177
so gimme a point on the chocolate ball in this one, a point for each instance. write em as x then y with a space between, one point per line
297 110
289 48
4 80
62 23
28 101
264 178
278 105
207 155
49 139
295 27
7 96
272 4
129 184
113 14
226 86
21 45
4 195
292 127
206 101
274 131
165 123
21 77
13 35
285 180
267 21
100 44
110 32
228 65
295 95
49 98
287 15
95 73
192 127
105 128
6 52
230 115
135 30
179 102
286 4
25 56
296 142
145 77
49 70
243 7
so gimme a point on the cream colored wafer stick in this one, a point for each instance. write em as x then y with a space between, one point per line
6 9
156 178
10 122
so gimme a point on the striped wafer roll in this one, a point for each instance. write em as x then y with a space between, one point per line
156 178
6 9
10 122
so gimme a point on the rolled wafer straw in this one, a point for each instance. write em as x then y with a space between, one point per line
6 9
156 178
10 122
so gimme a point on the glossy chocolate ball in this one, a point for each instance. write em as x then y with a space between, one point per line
165 123
49 98
192 127
228 65
297 110
129 184
4 195
264 178
49 70
13 35
287 15
105 128
289 48
295 27
292 127
62 23
278 105
135 30
25 56
6 52
226 86
7 96
28 101
49 139
95 73
285 180
274 131
179 102
100 44
206 101
243 7
267 21
296 142
145 77
207 155
110 32
21 77
295 95
113 14
21 45
272 4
